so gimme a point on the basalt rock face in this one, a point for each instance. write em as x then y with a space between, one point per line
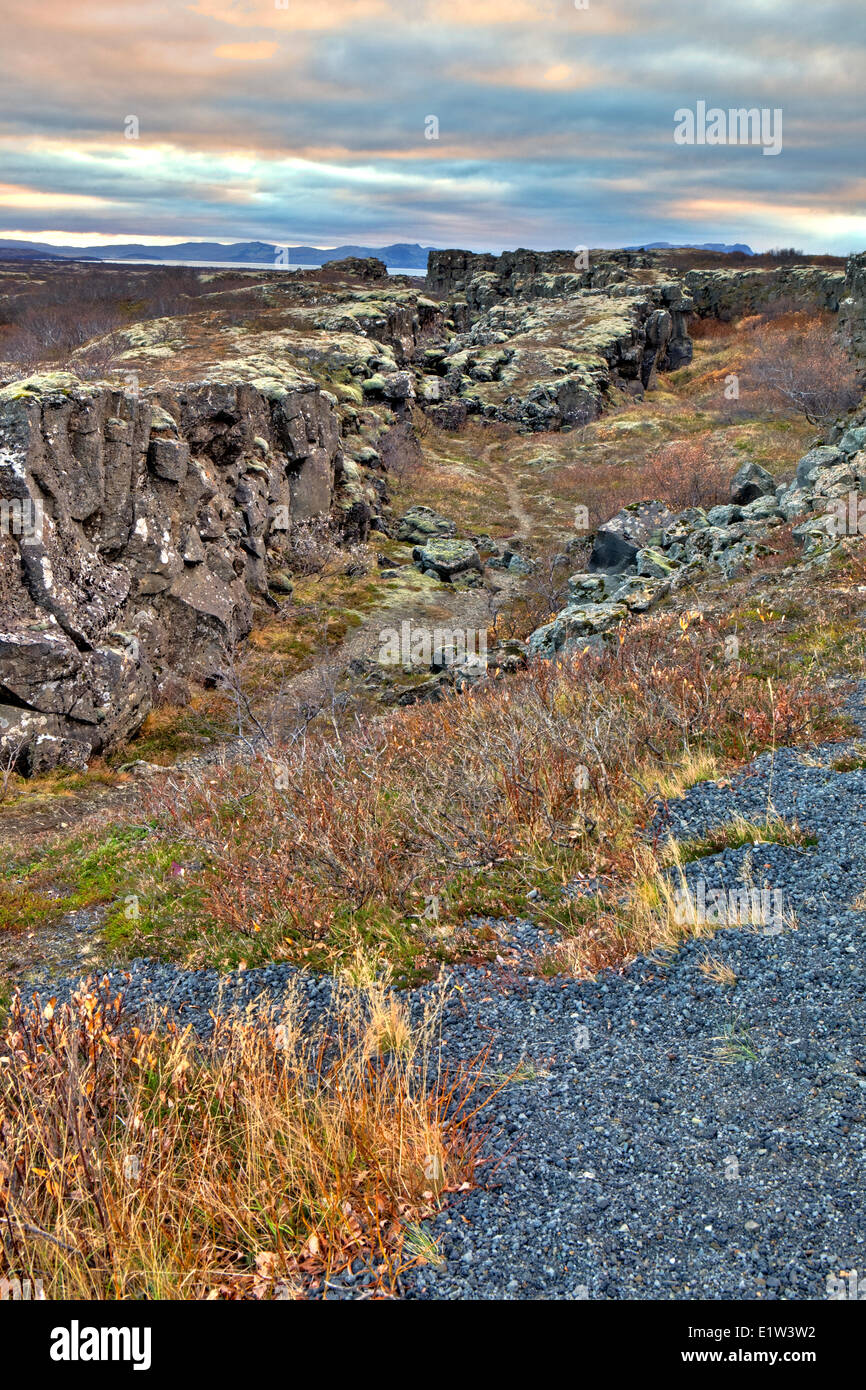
136 529
361 267
541 342
543 338
852 310
728 294
525 274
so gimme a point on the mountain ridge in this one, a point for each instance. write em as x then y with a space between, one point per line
409 255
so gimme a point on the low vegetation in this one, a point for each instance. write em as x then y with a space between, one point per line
378 843
144 1163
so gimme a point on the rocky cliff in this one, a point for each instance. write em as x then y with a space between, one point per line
852 309
541 343
135 529
645 551
729 294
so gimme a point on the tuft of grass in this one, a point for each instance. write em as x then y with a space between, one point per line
147 1163
735 1044
718 971
739 832
855 761
695 766
423 1245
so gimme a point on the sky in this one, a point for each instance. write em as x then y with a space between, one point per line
309 121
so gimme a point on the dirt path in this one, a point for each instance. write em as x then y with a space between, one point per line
441 607
511 490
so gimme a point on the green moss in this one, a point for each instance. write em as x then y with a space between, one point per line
44 384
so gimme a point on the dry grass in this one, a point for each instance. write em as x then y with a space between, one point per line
739 832
717 971
342 835
695 766
148 1164
690 473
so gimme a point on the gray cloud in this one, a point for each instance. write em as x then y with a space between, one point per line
553 132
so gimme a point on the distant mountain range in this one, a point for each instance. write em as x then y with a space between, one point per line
699 246
400 254
405 255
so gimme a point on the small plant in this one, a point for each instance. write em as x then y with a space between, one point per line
734 1044
422 1245
717 971
739 832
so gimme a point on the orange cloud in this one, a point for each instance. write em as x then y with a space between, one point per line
264 14
824 215
15 196
246 52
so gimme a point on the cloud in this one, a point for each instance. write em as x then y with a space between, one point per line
308 123
246 52
15 196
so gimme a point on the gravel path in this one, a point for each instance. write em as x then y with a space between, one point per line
669 1136
682 1138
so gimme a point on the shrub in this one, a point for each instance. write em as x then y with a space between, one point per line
806 367
688 473
146 1163
324 840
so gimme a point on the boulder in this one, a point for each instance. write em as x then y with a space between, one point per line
447 557
836 481
853 440
639 592
518 565
762 507
817 534
398 386
751 481
634 528
418 524
588 587
653 563
823 457
578 621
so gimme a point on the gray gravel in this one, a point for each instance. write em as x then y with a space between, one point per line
668 1136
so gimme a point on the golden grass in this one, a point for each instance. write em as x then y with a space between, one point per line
695 766
717 971
144 1163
